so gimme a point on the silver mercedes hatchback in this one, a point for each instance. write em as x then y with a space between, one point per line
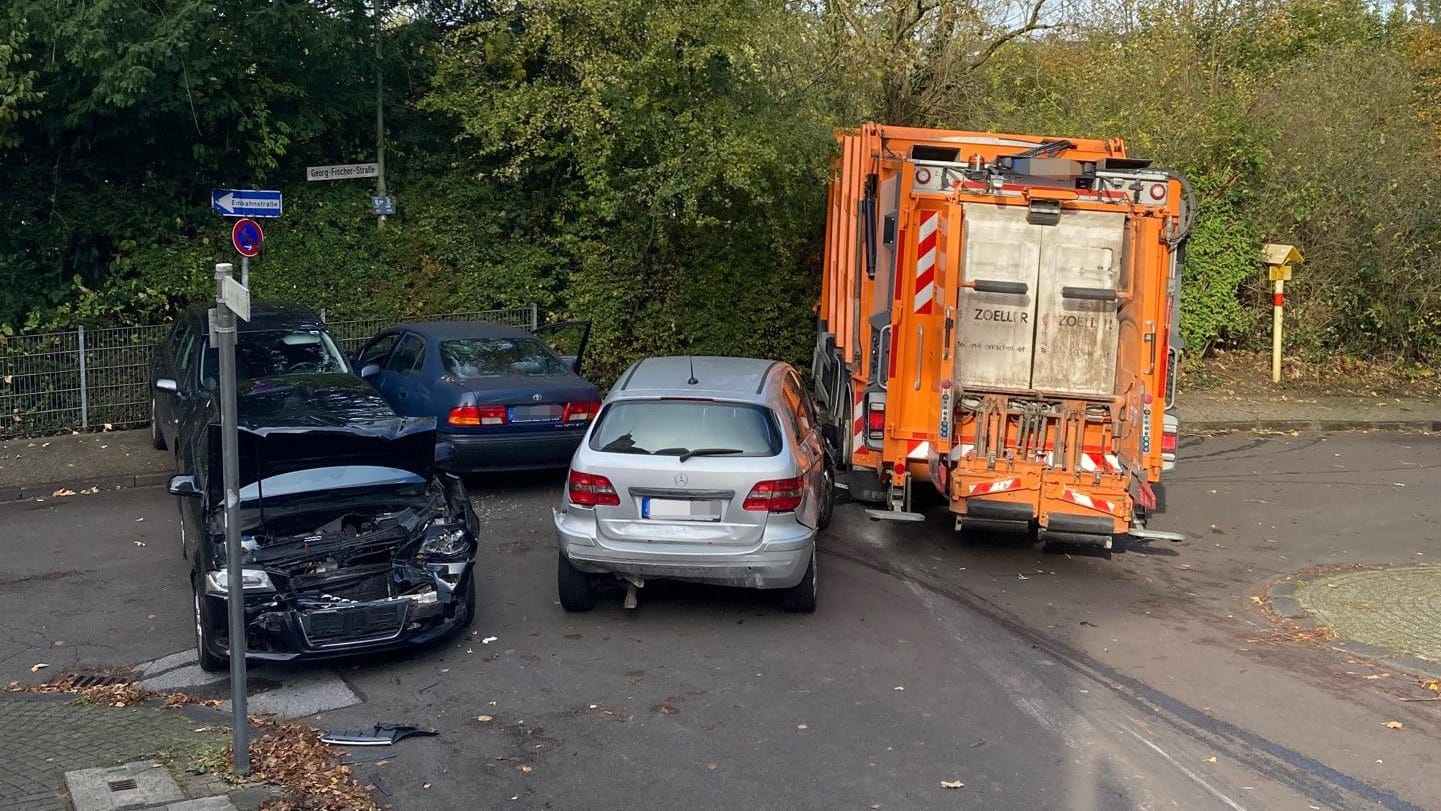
703 469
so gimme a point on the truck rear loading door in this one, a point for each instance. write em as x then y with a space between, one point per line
1042 313
996 335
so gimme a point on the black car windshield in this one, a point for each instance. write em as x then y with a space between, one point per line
276 354
493 357
676 427
329 481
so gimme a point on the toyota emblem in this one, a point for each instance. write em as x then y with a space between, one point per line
681 480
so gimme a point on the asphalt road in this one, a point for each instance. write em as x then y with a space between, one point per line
1040 680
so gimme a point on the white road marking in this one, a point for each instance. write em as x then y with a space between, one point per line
1195 778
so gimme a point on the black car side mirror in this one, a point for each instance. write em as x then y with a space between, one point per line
183 485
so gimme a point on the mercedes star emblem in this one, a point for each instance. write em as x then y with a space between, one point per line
681 480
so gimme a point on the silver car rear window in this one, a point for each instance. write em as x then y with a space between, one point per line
673 427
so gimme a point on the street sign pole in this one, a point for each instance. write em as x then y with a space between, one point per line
245 272
224 328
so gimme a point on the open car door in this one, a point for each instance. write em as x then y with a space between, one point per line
567 339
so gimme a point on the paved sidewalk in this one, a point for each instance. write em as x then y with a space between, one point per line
1207 411
47 735
36 468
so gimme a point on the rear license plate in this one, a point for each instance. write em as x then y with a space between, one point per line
680 510
536 413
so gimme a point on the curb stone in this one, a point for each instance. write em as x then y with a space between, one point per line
105 483
1287 607
1217 426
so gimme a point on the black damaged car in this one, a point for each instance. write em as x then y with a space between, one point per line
352 540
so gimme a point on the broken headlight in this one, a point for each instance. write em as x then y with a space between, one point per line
217 583
445 542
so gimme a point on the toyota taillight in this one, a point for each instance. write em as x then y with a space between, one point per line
776 496
590 490
580 412
477 415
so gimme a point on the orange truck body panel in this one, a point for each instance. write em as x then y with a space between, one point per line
1014 323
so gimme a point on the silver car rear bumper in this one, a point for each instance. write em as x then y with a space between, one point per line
778 562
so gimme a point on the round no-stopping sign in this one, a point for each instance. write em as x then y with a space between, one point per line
246 236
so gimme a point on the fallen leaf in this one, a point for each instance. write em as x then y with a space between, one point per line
485 719
62 492
37 667
427 785
1395 725
712 766
952 784
109 427
524 769
802 726
1211 759
1257 600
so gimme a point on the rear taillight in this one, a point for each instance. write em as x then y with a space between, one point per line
875 419
776 496
477 415
589 490
580 412
1168 442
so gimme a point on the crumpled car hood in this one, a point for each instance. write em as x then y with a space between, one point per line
323 420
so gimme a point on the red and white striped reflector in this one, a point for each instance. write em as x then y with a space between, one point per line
991 488
1102 462
1088 502
927 248
858 429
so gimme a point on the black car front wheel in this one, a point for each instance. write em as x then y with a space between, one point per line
205 637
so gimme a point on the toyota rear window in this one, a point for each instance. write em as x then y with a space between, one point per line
678 427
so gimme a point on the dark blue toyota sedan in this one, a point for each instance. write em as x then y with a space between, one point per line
501 396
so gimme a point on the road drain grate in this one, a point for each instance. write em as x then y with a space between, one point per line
95 680
122 785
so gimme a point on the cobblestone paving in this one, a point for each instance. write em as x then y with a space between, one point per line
45 736
1397 608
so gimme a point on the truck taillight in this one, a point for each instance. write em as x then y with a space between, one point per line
580 412
590 490
477 415
875 418
1168 442
776 496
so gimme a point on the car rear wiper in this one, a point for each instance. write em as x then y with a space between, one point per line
710 452
622 444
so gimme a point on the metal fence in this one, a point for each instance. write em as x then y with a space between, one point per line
93 378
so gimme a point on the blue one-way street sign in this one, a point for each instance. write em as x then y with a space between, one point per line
245 202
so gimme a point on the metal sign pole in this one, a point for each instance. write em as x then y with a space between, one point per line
224 328
245 271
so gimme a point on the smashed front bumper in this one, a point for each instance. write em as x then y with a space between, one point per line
283 627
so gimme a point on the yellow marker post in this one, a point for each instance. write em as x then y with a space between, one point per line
1279 259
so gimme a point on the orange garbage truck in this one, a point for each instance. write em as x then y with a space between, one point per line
998 320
